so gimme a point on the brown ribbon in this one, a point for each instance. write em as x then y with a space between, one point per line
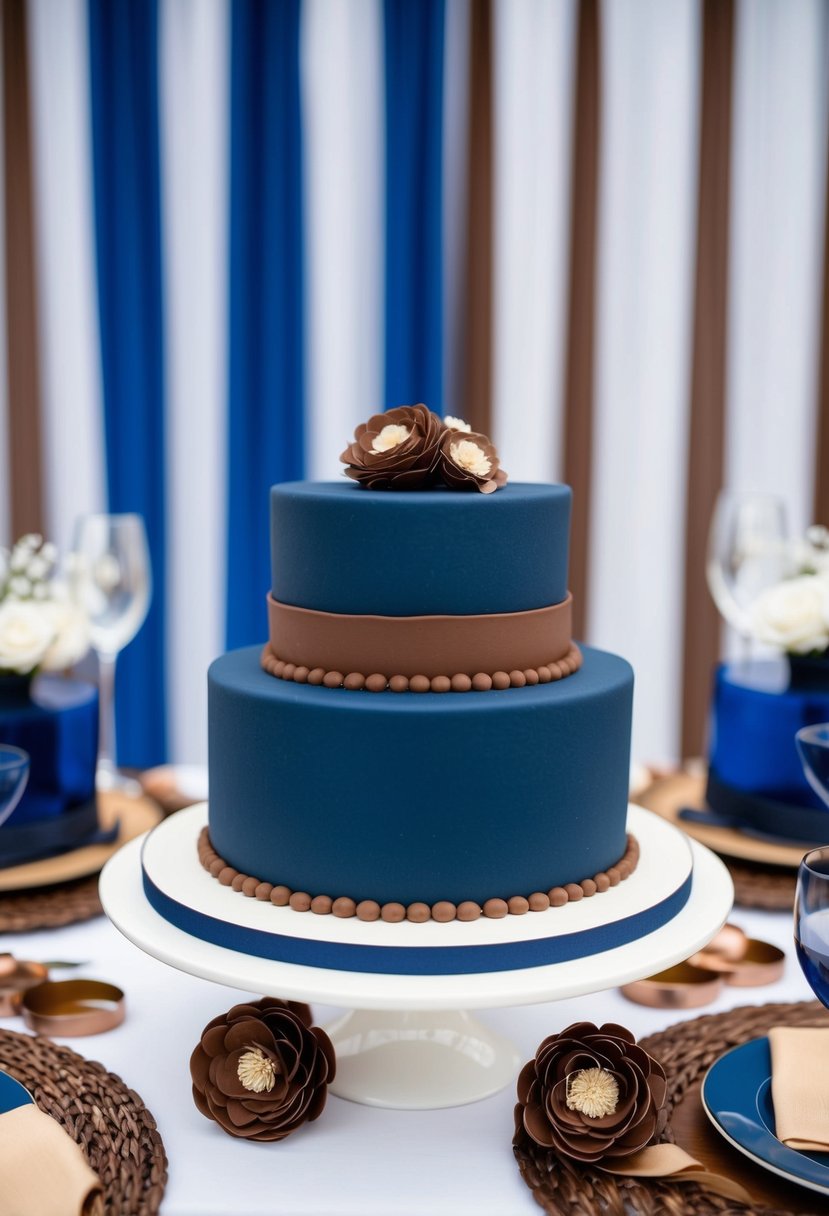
420 645
672 1163
72 1008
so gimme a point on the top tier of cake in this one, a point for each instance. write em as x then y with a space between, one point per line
338 548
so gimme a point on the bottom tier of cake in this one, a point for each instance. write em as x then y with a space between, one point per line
419 797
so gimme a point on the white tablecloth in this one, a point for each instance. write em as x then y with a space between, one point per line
355 1161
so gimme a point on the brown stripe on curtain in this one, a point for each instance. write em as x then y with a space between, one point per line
477 351
820 512
578 388
707 421
25 461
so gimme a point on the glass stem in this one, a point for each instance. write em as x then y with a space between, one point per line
106 770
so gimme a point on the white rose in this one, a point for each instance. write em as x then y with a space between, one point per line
26 633
71 640
793 615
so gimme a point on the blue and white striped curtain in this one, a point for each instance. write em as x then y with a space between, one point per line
252 221
126 170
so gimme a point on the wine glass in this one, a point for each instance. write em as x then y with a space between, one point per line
811 908
811 921
747 552
14 775
111 579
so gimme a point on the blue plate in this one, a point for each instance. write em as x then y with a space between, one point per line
12 1094
736 1097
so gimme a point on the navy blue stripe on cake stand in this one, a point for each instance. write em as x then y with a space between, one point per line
416 960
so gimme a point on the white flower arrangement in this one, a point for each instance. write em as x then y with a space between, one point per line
41 629
792 615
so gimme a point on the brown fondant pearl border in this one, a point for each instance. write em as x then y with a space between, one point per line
443 910
461 682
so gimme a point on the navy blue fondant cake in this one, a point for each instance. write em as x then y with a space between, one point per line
54 720
419 797
420 729
755 774
337 549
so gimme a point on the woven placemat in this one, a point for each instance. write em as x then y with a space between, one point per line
769 888
110 1122
686 1050
66 903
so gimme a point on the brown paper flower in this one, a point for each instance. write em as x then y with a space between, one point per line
261 1070
592 1093
469 461
395 451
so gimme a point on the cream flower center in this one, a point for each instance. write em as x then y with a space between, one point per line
456 424
468 456
390 437
593 1092
256 1072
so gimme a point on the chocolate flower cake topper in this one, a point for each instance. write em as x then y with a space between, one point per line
469 462
261 1070
412 448
592 1094
395 451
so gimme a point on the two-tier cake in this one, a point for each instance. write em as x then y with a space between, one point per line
420 736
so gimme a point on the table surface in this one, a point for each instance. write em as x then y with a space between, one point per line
355 1159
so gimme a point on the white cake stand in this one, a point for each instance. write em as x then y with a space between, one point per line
408 1041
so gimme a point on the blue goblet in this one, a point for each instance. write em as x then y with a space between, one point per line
14 773
813 747
811 908
811 921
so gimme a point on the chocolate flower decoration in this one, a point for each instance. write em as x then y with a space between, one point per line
261 1070
469 461
592 1093
395 451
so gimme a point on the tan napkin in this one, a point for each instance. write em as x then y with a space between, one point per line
800 1086
672 1163
42 1171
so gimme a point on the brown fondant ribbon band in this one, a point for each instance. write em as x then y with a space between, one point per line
72 1007
420 645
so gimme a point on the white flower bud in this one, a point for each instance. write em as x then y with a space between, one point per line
20 586
37 569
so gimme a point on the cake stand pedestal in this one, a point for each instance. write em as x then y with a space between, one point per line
409 1042
419 1060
